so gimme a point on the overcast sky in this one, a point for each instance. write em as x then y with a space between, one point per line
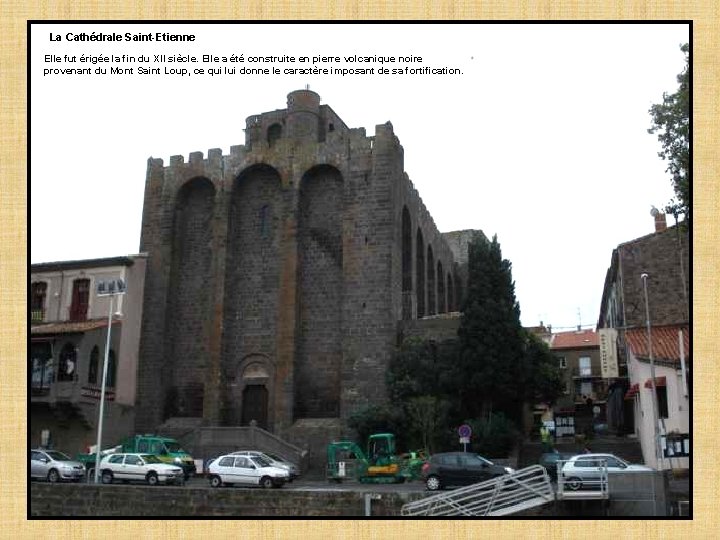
542 140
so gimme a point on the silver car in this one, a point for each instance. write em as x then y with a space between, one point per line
249 470
55 466
589 470
274 460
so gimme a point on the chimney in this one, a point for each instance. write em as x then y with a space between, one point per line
660 222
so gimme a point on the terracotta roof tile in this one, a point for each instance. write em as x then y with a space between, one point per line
575 340
665 344
68 327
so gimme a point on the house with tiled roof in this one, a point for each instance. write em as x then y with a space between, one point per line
68 336
647 285
583 402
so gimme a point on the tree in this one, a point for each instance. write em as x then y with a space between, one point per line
491 337
428 417
671 121
542 378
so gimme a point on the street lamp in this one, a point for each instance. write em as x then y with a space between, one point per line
109 288
655 406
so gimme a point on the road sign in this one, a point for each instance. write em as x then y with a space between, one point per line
464 440
465 431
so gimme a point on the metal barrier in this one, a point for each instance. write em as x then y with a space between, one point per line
500 496
583 482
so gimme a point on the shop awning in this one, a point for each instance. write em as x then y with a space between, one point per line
659 381
632 391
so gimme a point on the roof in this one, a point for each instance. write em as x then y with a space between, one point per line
68 327
581 339
83 264
665 343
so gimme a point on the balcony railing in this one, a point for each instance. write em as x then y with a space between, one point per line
37 316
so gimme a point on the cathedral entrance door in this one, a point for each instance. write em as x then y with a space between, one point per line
255 405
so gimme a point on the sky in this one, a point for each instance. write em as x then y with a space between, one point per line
542 140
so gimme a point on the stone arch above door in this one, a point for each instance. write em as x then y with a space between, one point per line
253 390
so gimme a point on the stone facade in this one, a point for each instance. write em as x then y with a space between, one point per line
277 274
665 257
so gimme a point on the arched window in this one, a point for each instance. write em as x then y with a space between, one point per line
431 282
420 274
450 294
67 367
111 370
93 365
80 300
441 305
38 292
406 234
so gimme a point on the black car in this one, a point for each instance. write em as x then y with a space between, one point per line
459 469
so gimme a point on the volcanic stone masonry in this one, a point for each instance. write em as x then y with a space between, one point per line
278 275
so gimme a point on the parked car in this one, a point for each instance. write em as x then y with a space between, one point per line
275 461
586 470
550 460
55 466
249 470
139 467
459 469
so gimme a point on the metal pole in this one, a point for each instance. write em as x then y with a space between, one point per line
102 392
658 452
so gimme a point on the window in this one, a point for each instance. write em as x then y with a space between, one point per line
227 461
67 367
42 370
38 292
585 367
117 459
133 460
562 362
662 401
80 300
93 366
242 463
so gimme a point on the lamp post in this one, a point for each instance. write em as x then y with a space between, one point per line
656 430
111 289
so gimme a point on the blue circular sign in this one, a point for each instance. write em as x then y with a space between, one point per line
465 430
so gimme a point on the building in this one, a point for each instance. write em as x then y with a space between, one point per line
278 275
582 407
68 334
663 258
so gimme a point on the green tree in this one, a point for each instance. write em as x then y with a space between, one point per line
379 419
671 121
491 337
428 417
542 379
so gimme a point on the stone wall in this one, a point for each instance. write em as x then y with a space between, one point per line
664 256
80 500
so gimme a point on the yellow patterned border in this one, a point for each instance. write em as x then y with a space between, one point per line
13 266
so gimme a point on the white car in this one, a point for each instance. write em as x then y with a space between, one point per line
249 470
139 467
589 469
274 460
